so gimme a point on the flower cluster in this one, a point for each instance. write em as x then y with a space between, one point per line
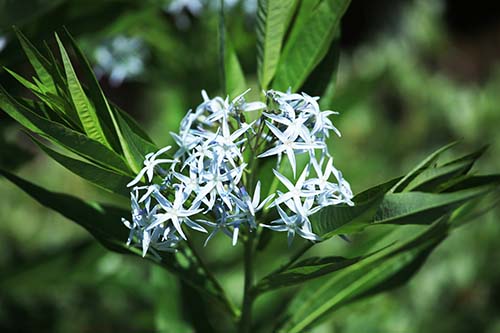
213 172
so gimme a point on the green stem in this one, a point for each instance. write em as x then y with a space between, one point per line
222 47
248 296
221 294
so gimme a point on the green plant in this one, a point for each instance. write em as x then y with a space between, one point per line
107 147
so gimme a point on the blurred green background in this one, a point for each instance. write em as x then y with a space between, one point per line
413 75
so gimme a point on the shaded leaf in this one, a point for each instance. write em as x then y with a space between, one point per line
106 179
103 222
430 179
134 147
421 207
386 270
305 270
335 220
426 163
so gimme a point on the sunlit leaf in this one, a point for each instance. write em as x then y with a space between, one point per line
74 141
85 110
235 78
272 20
308 43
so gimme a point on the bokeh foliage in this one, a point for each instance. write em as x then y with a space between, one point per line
394 106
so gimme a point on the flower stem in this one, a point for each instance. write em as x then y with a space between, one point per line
248 295
215 283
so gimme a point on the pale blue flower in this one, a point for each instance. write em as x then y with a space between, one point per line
150 163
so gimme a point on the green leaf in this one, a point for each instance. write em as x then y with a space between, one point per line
308 43
134 147
106 179
102 108
86 111
272 20
38 61
103 222
133 125
388 269
23 81
426 163
305 270
468 181
235 78
430 179
74 141
334 220
421 207
322 80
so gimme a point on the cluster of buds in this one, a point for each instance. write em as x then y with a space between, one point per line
213 172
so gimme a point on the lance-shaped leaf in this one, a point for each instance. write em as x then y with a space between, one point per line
426 163
235 78
134 147
41 65
103 222
431 178
335 220
96 95
74 141
306 270
437 178
386 270
103 178
421 207
308 43
272 21
468 181
86 111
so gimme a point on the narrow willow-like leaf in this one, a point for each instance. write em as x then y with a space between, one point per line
102 108
235 78
103 222
387 270
31 86
334 220
468 181
103 178
37 60
134 147
429 179
272 20
308 43
72 140
133 125
306 270
421 207
100 220
428 161
84 108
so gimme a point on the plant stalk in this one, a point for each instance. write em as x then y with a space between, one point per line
248 295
